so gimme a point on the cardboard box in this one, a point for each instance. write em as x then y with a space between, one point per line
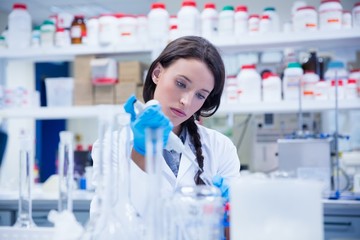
133 72
104 94
125 89
83 91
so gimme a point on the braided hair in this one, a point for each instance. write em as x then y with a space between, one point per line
192 47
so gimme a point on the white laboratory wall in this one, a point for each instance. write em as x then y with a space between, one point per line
18 73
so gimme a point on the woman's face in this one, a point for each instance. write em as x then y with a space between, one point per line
182 89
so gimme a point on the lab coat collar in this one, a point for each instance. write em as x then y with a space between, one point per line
185 162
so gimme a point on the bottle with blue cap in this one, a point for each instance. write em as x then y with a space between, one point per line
336 71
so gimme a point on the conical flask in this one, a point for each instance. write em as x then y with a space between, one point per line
66 171
124 209
24 219
105 224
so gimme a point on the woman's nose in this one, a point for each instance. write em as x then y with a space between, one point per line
185 98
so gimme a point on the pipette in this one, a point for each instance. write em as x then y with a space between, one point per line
174 143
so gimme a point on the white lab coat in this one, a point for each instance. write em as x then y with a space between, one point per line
220 158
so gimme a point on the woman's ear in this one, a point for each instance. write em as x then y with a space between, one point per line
156 73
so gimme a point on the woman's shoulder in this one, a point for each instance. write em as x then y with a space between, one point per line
213 135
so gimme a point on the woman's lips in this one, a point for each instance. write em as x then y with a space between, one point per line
178 112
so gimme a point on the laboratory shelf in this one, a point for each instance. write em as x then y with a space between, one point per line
246 43
60 112
68 53
287 106
296 40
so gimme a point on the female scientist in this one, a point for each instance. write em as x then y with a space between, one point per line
187 79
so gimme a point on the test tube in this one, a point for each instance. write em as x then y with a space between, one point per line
66 171
24 219
154 148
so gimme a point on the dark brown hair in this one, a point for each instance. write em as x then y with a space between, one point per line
192 47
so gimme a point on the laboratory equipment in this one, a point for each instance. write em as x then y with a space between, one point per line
24 219
154 148
66 171
174 143
279 209
195 212
308 158
105 224
127 213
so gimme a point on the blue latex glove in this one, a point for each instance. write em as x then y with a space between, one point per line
129 107
219 182
151 117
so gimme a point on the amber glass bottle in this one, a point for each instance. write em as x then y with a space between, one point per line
78 30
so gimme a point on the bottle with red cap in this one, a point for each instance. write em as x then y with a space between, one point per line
158 22
271 87
241 20
19 27
249 83
209 21
188 19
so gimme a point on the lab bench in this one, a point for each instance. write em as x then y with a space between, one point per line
341 217
40 210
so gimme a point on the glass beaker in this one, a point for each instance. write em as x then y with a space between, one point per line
195 212
26 167
66 171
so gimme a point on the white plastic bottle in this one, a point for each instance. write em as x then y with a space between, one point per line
19 27
231 89
346 20
209 21
47 34
356 15
305 19
340 89
322 90
249 84
355 74
142 29
265 24
158 22
330 15
336 70
241 20
254 23
226 22
310 80
108 29
351 89
188 19
271 88
92 28
291 81
274 18
294 8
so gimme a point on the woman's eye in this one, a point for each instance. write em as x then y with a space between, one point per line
180 84
200 96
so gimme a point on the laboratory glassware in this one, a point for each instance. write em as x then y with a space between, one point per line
24 219
154 148
195 212
104 223
66 171
125 210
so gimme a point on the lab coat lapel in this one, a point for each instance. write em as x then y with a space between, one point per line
185 163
